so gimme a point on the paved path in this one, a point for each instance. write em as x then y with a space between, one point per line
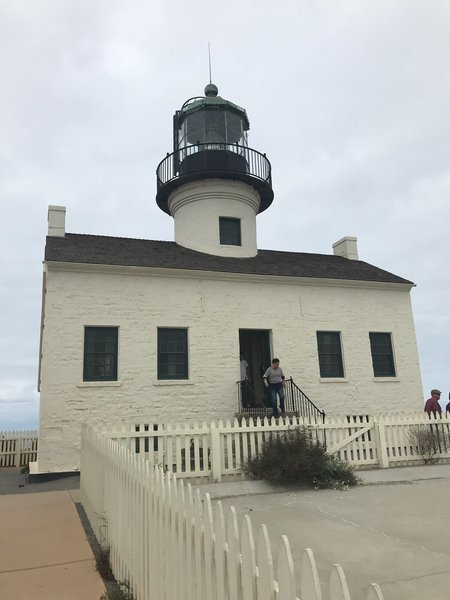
12 481
44 553
394 530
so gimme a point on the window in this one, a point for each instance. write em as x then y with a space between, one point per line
172 354
100 354
230 231
330 354
382 355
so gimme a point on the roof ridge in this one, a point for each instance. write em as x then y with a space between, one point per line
118 237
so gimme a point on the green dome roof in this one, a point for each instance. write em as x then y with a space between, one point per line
212 101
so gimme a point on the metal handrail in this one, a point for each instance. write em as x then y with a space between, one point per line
296 402
299 401
256 164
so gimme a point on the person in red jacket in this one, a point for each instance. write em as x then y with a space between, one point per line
432 404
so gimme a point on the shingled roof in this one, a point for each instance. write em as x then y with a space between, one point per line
105 250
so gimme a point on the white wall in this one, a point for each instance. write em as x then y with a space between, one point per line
197 206
213 310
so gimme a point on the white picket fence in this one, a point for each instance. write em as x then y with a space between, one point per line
18 448
170 542
220 449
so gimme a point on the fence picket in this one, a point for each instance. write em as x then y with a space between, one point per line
266 580
338 584
374 592
309 578
208 546
233 566
199 566
248 557
285 574
190 549
219 552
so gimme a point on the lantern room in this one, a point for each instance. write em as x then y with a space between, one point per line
210 119
210 139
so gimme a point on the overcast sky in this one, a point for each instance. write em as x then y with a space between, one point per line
350 99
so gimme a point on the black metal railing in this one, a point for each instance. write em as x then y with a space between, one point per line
213 157
296 402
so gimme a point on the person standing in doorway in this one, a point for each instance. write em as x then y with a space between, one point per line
244 383
274 381
244 367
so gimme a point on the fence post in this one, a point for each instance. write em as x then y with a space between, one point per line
216 467
380 437
18 451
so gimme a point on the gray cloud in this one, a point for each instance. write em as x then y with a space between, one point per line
349 100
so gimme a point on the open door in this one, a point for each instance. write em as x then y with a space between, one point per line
254 348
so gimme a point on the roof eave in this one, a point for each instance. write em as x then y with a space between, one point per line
150 271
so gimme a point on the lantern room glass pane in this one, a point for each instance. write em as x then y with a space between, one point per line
215 126
211 126
195 128
234 128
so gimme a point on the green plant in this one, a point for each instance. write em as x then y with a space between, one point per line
102 555
337 474
295 457
121 591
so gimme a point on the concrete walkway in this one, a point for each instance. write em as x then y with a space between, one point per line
394 530
44 553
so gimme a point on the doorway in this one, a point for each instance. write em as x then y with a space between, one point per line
254 347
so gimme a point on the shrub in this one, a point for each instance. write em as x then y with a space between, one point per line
294 457
120 592
102 555
427 440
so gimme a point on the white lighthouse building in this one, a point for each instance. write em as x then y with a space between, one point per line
137 330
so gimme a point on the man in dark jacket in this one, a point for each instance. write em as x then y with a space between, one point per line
432 404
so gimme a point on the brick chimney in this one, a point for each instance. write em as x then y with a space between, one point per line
56 221
346 247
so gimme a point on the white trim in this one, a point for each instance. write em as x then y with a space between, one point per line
95 384
224 276
162 382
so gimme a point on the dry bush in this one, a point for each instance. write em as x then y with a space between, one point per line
428 440
295 458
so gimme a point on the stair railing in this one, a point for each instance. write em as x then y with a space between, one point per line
296 402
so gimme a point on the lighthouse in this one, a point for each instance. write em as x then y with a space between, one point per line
213 184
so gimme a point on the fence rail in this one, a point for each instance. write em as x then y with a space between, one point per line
221 449
170 542
18 448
